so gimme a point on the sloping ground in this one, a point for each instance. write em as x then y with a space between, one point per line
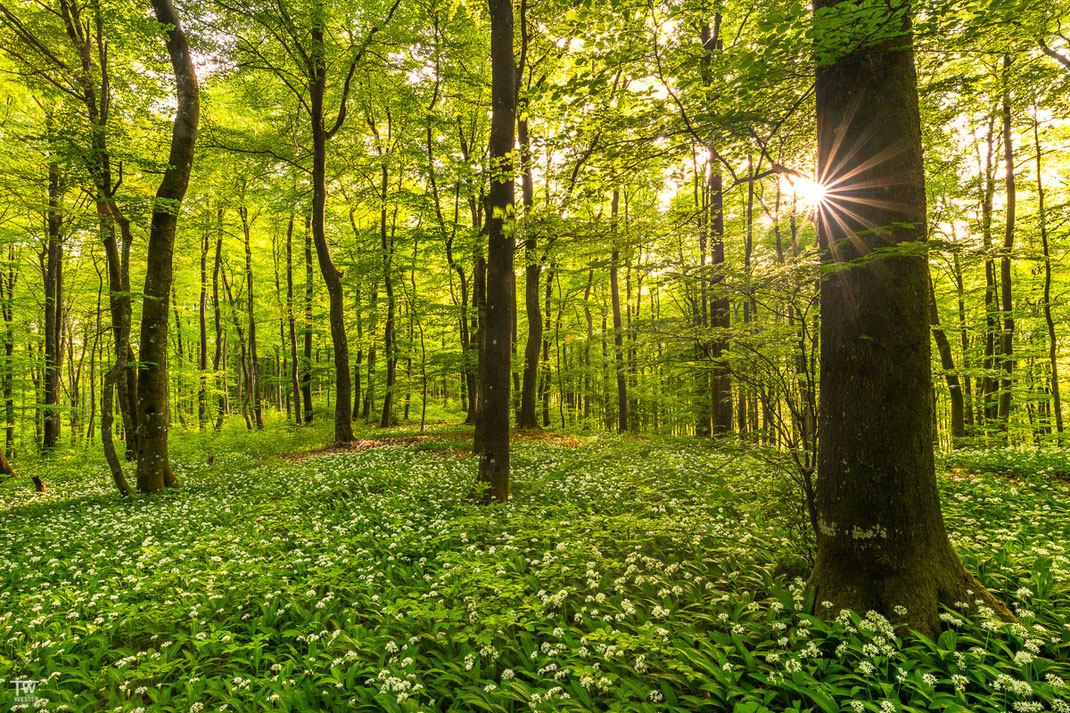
625 575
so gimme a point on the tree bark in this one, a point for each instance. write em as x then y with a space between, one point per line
357 385
544 390
1053 352
254 361
242 374
532 272
153 469
1006 307
218 358
495 364
720 308
306 361
343 402
479 305
988 387
373 325
881 542
53 327
8 279
618 336
177 395
202 323
947 363
386 240
587 347
295 384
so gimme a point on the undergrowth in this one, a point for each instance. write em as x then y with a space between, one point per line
625 575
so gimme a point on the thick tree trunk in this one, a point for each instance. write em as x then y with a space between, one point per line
881 542
153 468
495 364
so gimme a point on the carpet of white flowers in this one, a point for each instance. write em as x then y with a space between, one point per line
626 575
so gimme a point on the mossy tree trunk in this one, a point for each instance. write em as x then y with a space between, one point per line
153 468
881 542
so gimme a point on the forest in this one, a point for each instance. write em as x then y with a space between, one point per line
508 355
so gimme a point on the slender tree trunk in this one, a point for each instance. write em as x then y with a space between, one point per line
91 425
254 361
881 542
53 327
720 309
964 340
947 363
244 367
153 468
587 348
1007 335
360 357
495 364
468 360
532 273
411 301
295 386
700 306
387 245
545 390
219 358
618 336
479 305
8 280
343 422
306 362
373 325
988 387
1053 351
180 353
202 323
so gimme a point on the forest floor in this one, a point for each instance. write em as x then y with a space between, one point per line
626 574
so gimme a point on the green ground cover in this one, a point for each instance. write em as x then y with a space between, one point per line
626 574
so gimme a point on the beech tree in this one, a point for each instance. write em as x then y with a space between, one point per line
153 468
496 357
881 542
